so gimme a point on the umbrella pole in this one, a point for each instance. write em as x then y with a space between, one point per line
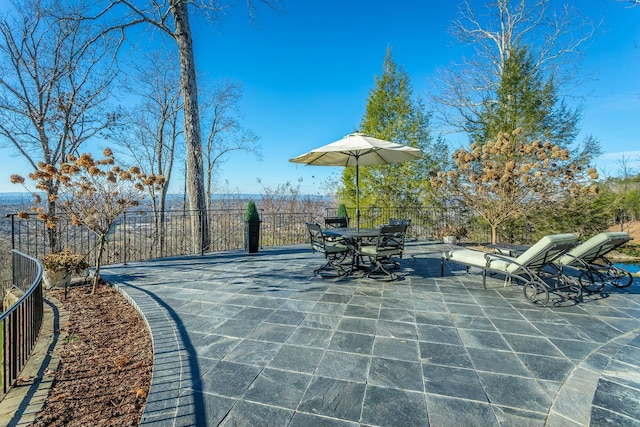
357 197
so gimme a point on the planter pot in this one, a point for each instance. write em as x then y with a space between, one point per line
56 278
451 240
252 236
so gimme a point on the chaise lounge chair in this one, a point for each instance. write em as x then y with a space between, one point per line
595 269
534 267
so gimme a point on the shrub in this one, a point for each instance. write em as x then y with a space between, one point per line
251 214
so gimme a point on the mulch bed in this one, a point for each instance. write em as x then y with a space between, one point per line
106 362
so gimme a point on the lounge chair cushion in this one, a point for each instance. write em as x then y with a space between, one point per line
595 247
545 249
534 257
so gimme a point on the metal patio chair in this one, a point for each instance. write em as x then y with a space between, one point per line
334 249
388 244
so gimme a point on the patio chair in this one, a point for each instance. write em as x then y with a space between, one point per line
397 221
595 268
389 243
335 251
336 222
534 267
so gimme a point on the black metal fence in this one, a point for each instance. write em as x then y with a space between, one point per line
21 321
142 235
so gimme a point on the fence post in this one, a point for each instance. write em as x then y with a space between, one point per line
124 238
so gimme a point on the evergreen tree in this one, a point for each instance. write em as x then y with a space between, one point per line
524 99
393 115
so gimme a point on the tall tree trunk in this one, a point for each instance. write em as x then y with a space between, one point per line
193 139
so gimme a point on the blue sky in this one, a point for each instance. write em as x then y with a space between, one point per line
307 71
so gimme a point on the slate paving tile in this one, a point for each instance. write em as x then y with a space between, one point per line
266 302
329 308
434 318
300 305
452 412
629 355
334 398
604 417
252 352
509 390
335 298
279 388
351 342
465 309
301 419
514 326
504 362
452 381
256 415
371 291
574 349
271 332
253 314
546 367
473 322
445 354
310 337
213 346
360 311
322 321
214 411
296 358
521 417
431 306
344 366
234 328
227 379
389 328
618 398
395 374
439 334
569 332
396 348
532 345
286 317
392 407
397 314
622 373
358 325
483 339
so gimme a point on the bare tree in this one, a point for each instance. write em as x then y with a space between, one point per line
223 129
54 85
171 17
152 131
554 38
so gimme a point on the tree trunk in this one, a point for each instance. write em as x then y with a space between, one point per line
96 276
193 139
494 234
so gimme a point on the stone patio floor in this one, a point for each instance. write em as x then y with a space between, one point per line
256 340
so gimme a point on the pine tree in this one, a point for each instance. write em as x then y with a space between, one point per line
393 115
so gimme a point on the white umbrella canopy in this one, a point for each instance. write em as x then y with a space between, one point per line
358 149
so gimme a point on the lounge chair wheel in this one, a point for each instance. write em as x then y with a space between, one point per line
619 278
536 293
575 290
591 281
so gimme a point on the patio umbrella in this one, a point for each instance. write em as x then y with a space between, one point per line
358 149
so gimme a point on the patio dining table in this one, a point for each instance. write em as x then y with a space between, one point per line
354 237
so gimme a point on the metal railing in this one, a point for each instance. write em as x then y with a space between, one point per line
142 235
21 321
